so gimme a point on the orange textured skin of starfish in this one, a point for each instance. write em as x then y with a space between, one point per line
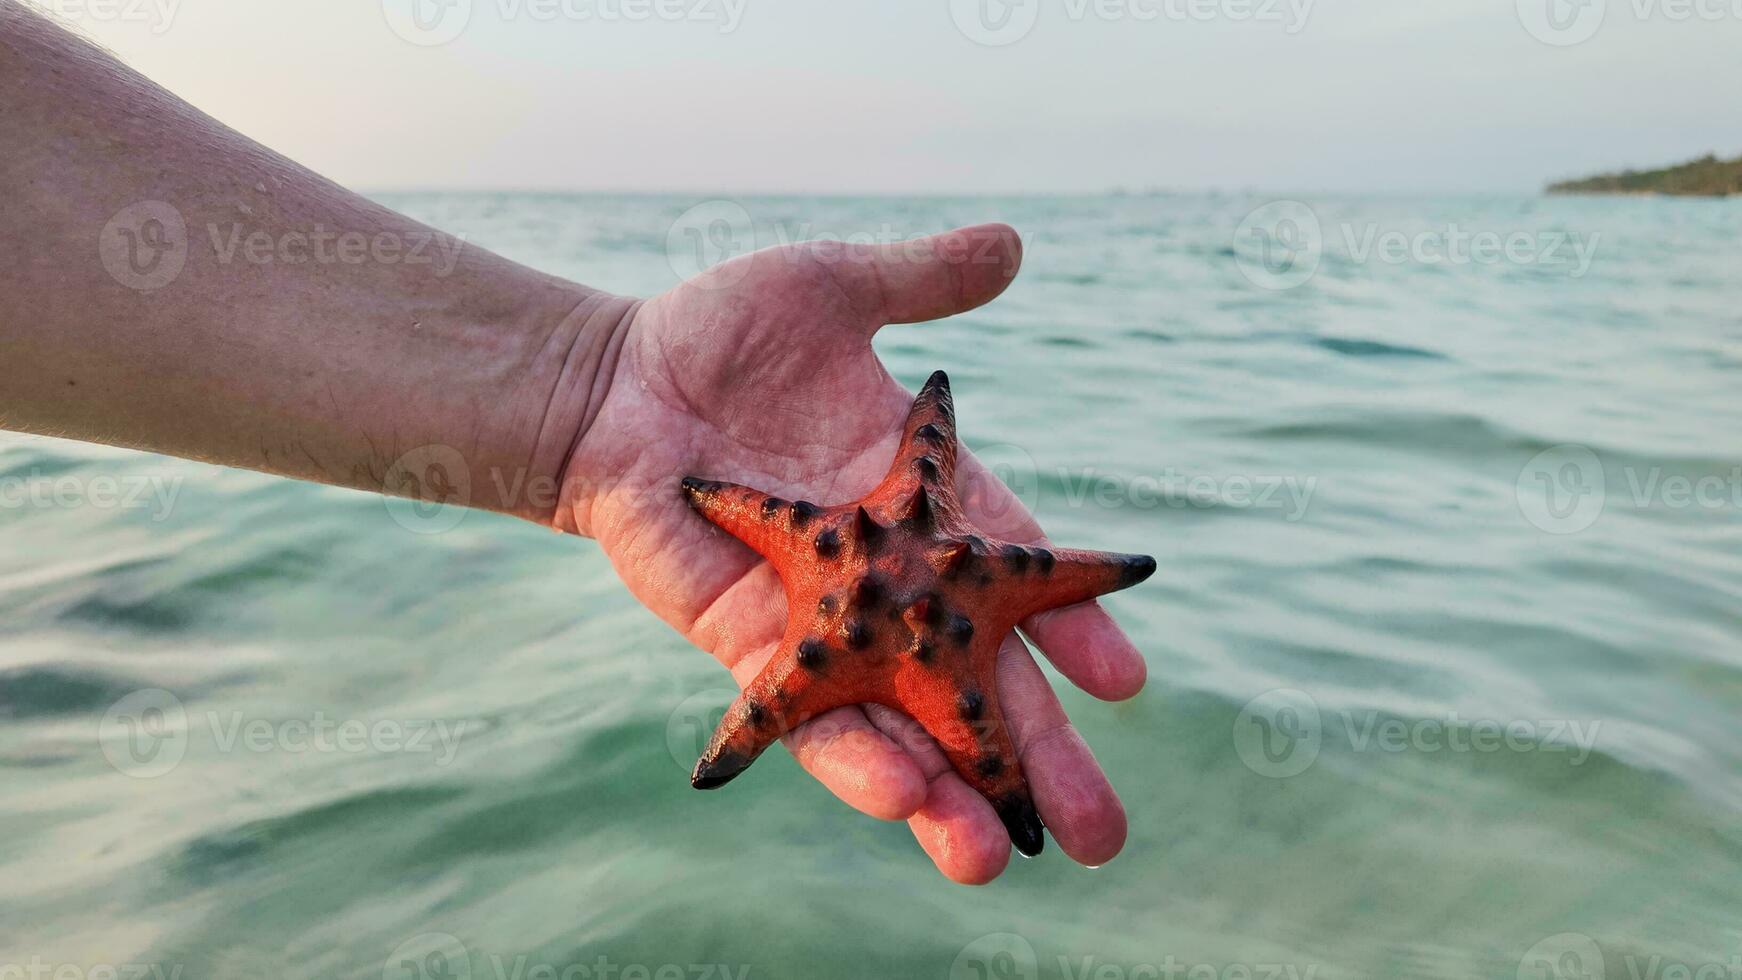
895 599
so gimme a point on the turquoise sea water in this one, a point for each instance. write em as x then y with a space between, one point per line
1445 647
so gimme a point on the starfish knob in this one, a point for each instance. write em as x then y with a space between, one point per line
895 599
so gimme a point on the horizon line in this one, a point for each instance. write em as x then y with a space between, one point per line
723 193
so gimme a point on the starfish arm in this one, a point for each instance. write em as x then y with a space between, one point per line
1054 577
749 726
975 739
802 679
923 474
768 524
930 429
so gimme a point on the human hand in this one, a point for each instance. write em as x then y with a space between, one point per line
760 371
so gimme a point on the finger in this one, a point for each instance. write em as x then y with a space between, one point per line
961 834
936 276
1090 649
859 764
955 827
1082 640
1073 795
742 625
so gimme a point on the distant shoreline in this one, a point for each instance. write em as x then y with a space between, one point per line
1706 177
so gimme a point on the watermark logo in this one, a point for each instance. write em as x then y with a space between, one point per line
1562 23
1279 245
1562 490
1566 489
428 489
145 245
427 23
430 956
145 734
1567 956
1279 733
1008 491
997 956
692 723
707 236
995 23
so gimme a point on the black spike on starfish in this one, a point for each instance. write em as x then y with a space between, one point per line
895 599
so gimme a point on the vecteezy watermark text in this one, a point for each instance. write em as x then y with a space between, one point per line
1288 493
321 245
157 15
147 733
1577 956
38 968
440 956
996 23
430 23
1280 245
1281 732
1457 245
1009 956
428 489
66 491
147 246
708 236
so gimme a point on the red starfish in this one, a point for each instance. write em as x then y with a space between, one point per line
896 600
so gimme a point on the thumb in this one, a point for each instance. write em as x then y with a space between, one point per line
940 275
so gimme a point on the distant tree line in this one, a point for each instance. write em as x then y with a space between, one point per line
1706 177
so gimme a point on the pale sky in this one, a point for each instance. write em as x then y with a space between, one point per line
901 96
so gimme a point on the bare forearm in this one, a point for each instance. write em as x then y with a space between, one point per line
171 285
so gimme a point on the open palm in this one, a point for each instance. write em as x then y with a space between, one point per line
760 371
